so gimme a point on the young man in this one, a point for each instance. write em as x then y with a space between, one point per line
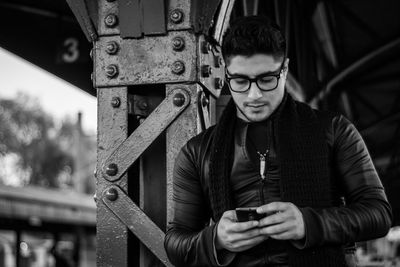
307 172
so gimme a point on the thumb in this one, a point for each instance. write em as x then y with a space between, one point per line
230 215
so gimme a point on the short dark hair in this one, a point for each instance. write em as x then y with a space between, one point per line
252 35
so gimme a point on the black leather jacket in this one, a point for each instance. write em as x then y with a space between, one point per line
366 214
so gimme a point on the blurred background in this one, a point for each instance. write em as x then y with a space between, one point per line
344 55
47 138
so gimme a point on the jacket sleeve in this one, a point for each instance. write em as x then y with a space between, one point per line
367 213
189 238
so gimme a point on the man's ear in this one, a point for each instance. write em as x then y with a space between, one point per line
286 67
286 64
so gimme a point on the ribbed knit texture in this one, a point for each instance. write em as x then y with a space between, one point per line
303 158
221 160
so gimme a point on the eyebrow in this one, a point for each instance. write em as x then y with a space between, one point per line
261 74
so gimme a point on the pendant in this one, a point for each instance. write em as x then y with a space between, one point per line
262 163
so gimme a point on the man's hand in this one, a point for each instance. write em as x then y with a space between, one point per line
237 236
285 221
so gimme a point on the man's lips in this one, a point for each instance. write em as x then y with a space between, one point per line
255 105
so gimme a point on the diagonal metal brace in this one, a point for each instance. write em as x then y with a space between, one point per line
130 149
137 221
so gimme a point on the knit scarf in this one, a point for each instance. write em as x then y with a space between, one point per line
304 170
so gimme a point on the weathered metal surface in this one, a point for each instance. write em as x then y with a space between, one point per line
112 234
138 222
176 6
145 61
107 9
222 20
154 17
130 12
152 183
203 105
203 12
129 150
81 12
212 70
181 130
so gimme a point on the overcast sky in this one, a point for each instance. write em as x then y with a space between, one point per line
57 96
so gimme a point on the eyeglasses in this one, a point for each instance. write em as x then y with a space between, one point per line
265 82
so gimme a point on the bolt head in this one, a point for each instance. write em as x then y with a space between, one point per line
178 67
176 16
112 48
218 83
111 20
112 169
178 44
112 71
142 105
179 99
115 102
112 194
206 70
204 101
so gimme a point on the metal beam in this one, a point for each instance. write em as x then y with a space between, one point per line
136 221
130 149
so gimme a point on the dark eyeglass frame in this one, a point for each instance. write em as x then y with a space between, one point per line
251 80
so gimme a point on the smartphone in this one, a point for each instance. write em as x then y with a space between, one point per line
248 214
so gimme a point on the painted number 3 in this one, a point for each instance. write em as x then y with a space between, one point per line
71 53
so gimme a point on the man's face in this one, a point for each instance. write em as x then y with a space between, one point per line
255 104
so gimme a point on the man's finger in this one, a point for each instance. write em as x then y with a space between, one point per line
276 218
273 207
244 244
244 226
276 229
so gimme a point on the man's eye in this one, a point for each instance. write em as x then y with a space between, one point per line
267 79
240 81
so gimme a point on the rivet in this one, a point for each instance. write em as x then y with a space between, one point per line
204 47
217 63
111 71
178 43
218 83
204 101
179 99
115 102
221 61
112 194
112 47
142 105
95 198
176 16
206 70
91 53
91 76
112 169
111 20
178 67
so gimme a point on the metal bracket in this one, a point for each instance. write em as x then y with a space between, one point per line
136 221
212 68
130 149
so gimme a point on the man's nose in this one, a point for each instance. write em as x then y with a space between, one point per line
254 91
